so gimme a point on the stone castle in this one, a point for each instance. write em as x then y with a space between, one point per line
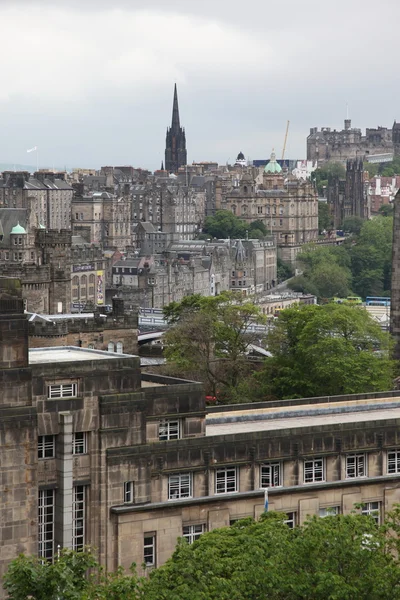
337 146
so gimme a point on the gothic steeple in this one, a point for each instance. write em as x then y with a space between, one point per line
175 147
175 126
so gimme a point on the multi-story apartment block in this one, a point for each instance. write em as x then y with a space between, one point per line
88 276
46 194
102 218
173 208
94 453
196 267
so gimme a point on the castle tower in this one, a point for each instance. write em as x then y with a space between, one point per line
175 145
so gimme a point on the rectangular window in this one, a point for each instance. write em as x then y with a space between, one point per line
290 520
192 532
180 486
356 465
79 443
46 446
46 523
149 550
393 461
270 475
129 489
329 511
314 470
78 518
62 390
226 480
372 509
169 430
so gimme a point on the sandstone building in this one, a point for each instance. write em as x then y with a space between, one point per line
46 194
287 206
98 455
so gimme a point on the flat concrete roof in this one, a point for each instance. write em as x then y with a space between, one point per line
71 354
264 419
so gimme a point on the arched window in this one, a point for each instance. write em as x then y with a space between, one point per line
234 209
244 210
120 348
111 347
245 189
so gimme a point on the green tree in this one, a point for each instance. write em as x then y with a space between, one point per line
321 560
211 337
386 210
225 224
257 229
353 225
326 350
72 576
324 217
284 270
322 174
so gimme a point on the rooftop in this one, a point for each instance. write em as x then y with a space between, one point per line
70 354
303 415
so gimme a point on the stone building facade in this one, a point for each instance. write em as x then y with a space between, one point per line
287 206
98 454
338 146
102 218
46 194
195 267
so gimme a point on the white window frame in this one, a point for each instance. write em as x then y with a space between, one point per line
180 486
356 465
271 475
224 478
62 390
149 549
314 470
46 511
329 511
191 533
291 518
129 492
393 462
169 429
373 509
46 446
80 443
79 518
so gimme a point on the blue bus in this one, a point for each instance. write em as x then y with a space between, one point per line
377 301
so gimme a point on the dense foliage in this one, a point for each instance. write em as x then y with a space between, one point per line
209 339
325 350
322 175
224 225
324 217
361 266
341 557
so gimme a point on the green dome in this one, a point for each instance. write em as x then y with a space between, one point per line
18 229
272 167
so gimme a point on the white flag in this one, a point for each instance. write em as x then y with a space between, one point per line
32 149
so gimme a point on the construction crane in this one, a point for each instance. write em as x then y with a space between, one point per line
284 143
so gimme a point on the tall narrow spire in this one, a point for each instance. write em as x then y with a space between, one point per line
175 126
175 146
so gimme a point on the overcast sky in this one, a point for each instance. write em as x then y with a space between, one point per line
90 82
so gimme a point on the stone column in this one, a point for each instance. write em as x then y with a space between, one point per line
64 498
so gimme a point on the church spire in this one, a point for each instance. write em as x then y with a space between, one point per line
175 113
